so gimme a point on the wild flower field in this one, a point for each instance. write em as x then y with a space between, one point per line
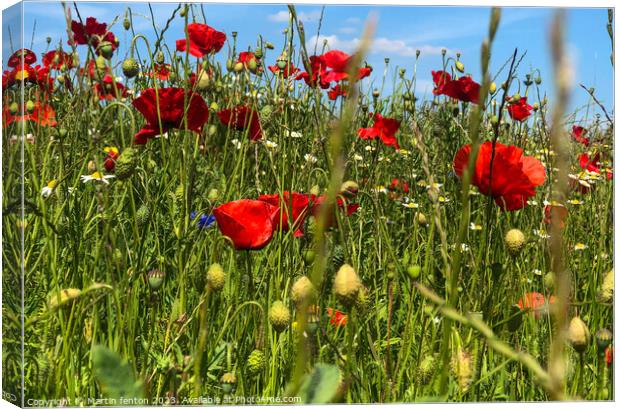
271 229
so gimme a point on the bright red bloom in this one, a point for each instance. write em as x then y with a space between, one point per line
533 303
339 63
15 60
172 111
558 211
590 164
383 128
609 355
202 40
338 318
318 68
43 114
92 33
397 184
297 205
288 69
520 111
240 118
246 57
578 134
250 224
57 60
440 78
514 176
109 163
109 89
336 92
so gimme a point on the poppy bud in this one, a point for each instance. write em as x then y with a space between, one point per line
126 163
183 11
213 195
387 60
549 281
417 53
13 108
443 52
347 284
142 215
401 73
228 382
203 81
349 189
281 64
603 339
459 66
156 279
252 65
414 271
238 67
515 98
30 106
279 316
375 93
130 67
62 132
538 80
606 291
578 334
214 106
62 297
504 86
159 58
258 53
105 49
515 241
234 34
91 166
494 120
535 106
420 218
463 369
256 362
48 39
126 24
493 88
216 277
303 292
269 46
309 256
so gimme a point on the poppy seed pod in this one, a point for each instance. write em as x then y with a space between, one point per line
160 58
13 108
30 106
126 163
105 49
493 88
603 339
303 292
426 369
578 334
130 67
216 277
238 67
309 255
156 279
279 316
347 285
126 24
459 66
142 215
515 241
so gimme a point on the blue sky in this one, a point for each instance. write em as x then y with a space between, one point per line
400 31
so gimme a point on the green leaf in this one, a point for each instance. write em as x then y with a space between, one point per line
115 376
321 385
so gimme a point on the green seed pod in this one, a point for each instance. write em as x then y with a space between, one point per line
258 53
256 362
603 339
459 66
126 24
29 106
238 67
130 67
13 108
414 271
105 49
309 255
216 277
156 279
269 46
203 81
230 65
126 164
183 11
213 195
143 215
281 64
426 369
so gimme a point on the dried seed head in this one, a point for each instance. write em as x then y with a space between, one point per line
603 339
156 279
256 362
463 368
606 292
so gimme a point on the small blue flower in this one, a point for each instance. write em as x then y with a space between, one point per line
204 221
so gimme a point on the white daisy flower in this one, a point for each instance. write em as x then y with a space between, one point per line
97 177
358 157
475 227
541 233
580 246
310 158
236 142
295 134
49 188
270 144
411 205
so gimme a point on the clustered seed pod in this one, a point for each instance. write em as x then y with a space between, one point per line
578 334
463 369
347 285
515 241
156 279
603 339
126 164
279 316
256 362
216 277
303 292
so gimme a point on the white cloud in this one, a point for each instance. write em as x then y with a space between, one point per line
283 16
381 45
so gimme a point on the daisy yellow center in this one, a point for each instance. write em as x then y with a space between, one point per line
52 183
97 175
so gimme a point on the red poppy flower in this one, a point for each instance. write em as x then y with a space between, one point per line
43 114
532 302
92 33
202 40
319 72
464 89
161 71
578 134
295 204
346 206
398 184
15 60
109 89
440 78
590 164
609 355
109 163
57 60
558 211
339 62
172 110
248 223
336 92
286 71
338 318
383 128
94 72
520 111
240 118
515 177
246 57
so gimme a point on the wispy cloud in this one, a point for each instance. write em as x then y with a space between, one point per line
380 45
283 16
348 30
